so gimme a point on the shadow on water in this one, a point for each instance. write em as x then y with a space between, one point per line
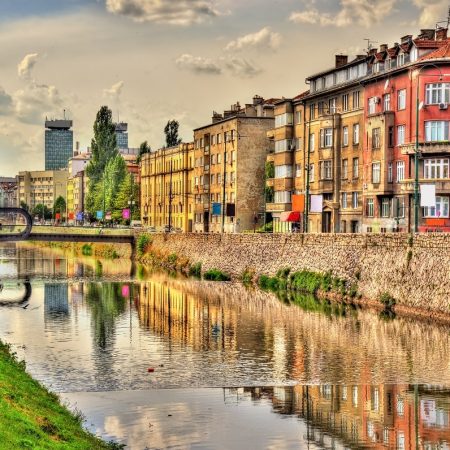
21 301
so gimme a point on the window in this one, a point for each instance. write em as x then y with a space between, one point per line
312 111
440 210
298 170
326 137
320 108
212 178
376 138
390 172
376 172
345 102
311 173
435 168
298 115
436 130
283 171
370 210
399 207
400 134
401 59
283 145
401 99
312 142
332 105
355 167
391 136
219 138
213 139
344 200
387 102
355 396
345 136
400 171
373 105
282 197
213 159
219 158
282 120
437 93
354 200
344 169
385 207
356 100
326 172
356 133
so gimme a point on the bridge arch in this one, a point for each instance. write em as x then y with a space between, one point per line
28 225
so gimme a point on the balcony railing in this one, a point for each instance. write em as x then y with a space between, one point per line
442 185
278 207
426 147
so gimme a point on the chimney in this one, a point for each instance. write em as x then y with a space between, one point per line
373 51
258 100
441 34
406 39
426 34
341 60
383 48
216 117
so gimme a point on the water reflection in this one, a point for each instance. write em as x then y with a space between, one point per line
315 417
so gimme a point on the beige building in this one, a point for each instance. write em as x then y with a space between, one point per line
230 155
166 188
42 187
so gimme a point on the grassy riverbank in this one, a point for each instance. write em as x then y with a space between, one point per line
31 417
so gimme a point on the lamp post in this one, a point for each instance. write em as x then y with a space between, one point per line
416 150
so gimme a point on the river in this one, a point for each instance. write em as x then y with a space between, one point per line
157 361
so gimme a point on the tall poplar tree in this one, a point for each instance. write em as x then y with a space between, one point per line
171 132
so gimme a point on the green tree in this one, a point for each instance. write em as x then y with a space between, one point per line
60 205
143 149
42 211
104 148
171 132
115 173
128 192
24 206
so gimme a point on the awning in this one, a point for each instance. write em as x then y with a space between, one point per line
290 216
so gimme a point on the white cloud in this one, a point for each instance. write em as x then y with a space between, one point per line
242 68
361 12
179 12
25 66
431 11
5 102
114 91
198 64
262 39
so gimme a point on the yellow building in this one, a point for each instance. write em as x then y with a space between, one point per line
166 188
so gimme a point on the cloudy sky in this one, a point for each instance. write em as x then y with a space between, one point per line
154 60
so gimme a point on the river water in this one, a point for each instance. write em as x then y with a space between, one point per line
156 361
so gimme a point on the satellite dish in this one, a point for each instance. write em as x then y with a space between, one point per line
420 105
386 84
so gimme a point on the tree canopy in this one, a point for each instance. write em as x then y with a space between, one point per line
60 205
171 132
143 149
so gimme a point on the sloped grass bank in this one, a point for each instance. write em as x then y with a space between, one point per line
31 417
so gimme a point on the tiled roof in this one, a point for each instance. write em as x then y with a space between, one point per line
427 43
301 95
442 52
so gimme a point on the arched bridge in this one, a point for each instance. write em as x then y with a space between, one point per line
27 233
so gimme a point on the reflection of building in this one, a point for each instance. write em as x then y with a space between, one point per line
42 187
58 143
166 187
56 299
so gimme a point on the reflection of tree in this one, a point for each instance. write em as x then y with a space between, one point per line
106 304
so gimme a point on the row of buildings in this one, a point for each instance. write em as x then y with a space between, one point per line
347 155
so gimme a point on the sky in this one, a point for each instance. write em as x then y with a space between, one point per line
155 60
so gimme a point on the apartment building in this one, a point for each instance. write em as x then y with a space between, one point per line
166 198
229 155
407 101
42 187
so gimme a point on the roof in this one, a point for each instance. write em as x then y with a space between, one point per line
427 43
355 61
442 52
301 95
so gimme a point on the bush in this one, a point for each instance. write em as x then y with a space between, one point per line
86 250
172 259
144 240
247 276
267 228
195 270
387 300
269 283
216 275
310 281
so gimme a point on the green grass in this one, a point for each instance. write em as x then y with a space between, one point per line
195 270
33 418
216 275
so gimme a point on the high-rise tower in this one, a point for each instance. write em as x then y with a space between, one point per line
58 143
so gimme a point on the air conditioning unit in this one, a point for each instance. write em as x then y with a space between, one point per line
443 105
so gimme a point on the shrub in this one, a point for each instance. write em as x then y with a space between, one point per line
144 240
216 275
387 300
269 283
247 276
408 257
172 259
309 281
86 250
195 270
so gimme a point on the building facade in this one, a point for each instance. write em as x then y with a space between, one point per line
166 177
230 155
8 192
58 144
42 187
122 135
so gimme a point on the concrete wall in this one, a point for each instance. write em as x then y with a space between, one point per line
416 272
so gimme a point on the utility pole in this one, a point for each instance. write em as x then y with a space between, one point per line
308 169
224 181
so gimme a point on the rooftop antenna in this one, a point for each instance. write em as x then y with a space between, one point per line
64 114
369 44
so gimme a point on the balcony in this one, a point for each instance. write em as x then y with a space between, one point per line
278 207
270 182
206 150
442 186
283 184
426 148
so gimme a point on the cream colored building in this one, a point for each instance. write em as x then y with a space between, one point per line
42 187
230 155
166 188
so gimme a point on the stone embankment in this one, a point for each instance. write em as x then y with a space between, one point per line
414 270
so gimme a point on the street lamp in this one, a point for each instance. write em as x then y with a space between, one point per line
416 150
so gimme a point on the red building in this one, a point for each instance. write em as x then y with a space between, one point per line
414 66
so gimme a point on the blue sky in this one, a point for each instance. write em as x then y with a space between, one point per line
152 61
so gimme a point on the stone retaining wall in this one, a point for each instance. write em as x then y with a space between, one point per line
414 270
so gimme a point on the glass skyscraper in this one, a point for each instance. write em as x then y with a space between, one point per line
58 143
122 134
